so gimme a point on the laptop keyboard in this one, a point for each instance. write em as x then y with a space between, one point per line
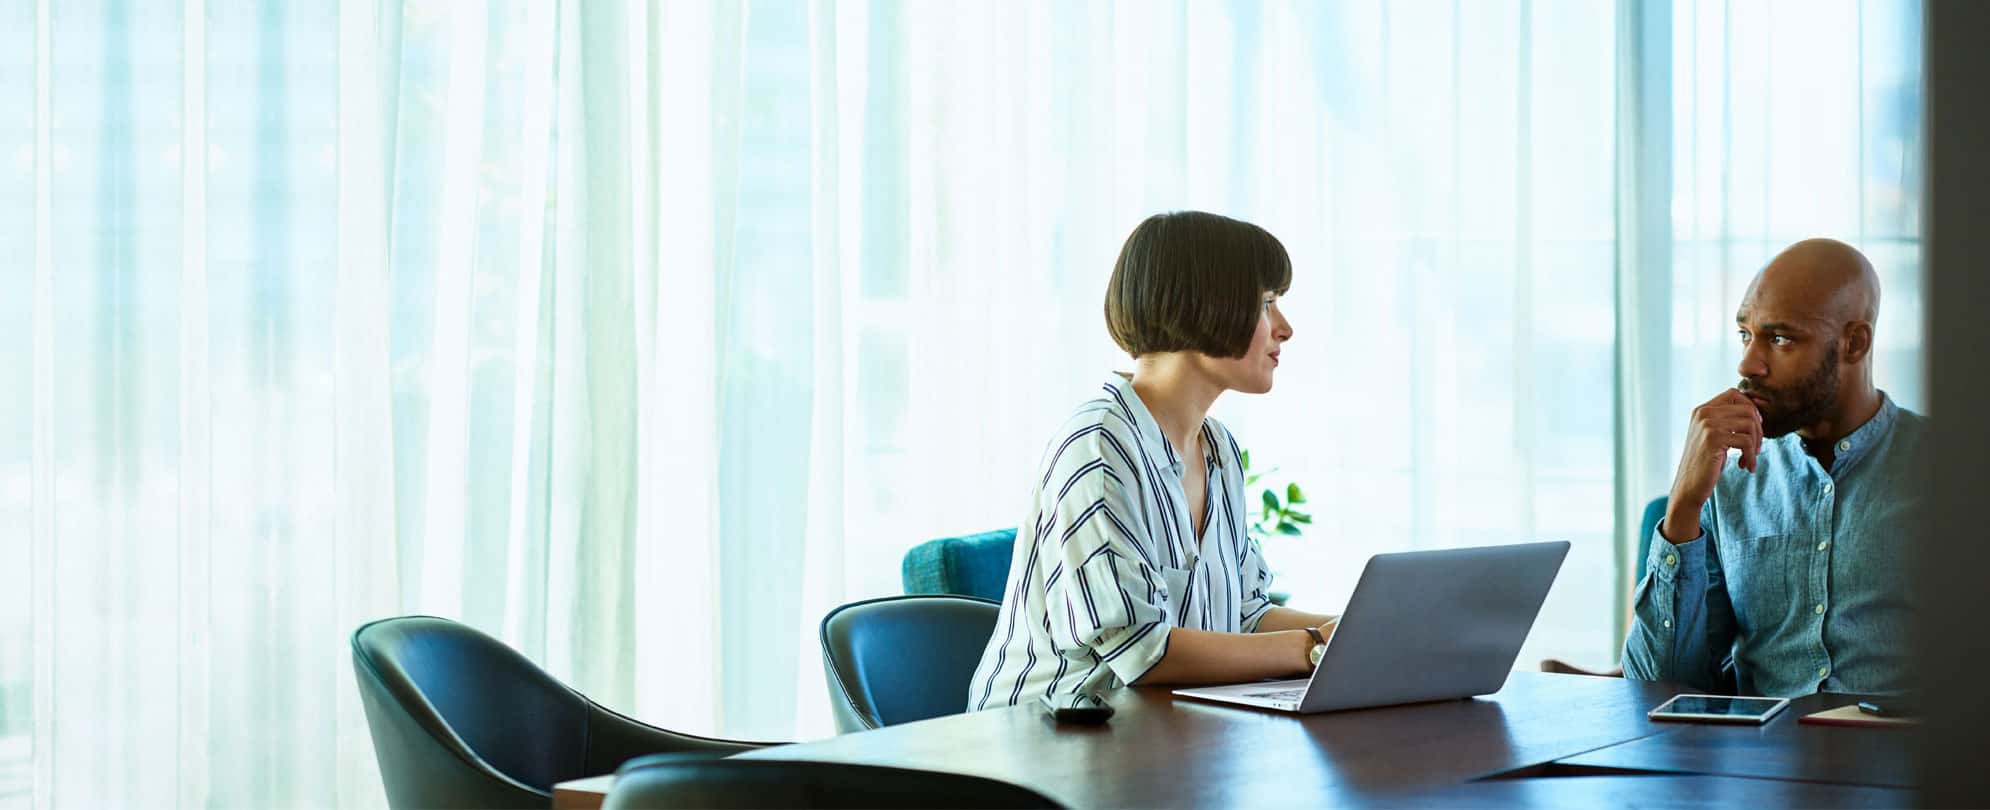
1282 694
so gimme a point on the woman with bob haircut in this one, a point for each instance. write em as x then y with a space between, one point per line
1133 564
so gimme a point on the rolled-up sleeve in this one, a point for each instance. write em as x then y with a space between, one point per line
1683 622
1105 597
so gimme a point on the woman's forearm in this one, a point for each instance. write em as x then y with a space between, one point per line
1284 618
1196 657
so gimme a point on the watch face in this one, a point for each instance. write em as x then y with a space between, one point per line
1317 651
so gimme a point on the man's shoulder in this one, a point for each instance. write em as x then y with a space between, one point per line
1911 425
1905 450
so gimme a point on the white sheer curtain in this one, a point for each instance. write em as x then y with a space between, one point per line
327 312
639 335
1794 119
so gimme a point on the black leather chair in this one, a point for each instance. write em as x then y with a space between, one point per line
652 783
461 720
903 658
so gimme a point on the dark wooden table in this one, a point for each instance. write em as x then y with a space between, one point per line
1781 749
1650 792
1159 750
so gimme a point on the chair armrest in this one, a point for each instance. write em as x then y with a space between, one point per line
614 739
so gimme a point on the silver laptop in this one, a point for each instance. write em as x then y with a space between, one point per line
1422 625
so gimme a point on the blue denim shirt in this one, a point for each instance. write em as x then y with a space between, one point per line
1798 582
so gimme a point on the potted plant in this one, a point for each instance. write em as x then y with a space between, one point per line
1273 515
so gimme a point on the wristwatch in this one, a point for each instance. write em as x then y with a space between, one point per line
1319 646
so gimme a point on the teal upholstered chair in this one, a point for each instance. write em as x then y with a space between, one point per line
461 720
975 565
1654 512
896 659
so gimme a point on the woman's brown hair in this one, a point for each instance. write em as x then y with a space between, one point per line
1193 281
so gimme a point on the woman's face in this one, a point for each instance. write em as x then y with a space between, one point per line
1252 373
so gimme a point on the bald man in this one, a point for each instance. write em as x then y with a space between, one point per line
1783 573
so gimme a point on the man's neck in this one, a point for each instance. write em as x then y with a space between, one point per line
1820 439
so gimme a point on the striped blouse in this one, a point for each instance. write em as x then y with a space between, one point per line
1106 559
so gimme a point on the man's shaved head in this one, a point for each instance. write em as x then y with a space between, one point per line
1821 279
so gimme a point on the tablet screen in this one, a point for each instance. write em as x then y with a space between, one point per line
1720 706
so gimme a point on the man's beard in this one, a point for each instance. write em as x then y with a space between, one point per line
1801 405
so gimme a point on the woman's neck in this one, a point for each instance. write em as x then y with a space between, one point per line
1176 394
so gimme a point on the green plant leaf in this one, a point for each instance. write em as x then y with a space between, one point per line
1272 516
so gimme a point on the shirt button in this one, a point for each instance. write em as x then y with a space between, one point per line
1827 487
1823 671
1671 559
1820 546
1844 446
1668 622
1819 610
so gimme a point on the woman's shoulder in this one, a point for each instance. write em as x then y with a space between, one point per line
1100 416
1097 429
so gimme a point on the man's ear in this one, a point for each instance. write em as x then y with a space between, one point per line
1858 337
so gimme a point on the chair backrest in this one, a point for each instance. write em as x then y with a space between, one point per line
903 658
650 783
1654 512
461 720
975 565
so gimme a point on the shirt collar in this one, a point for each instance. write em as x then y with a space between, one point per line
1853 446
1120 386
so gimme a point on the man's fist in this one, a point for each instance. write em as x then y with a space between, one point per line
1726 422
